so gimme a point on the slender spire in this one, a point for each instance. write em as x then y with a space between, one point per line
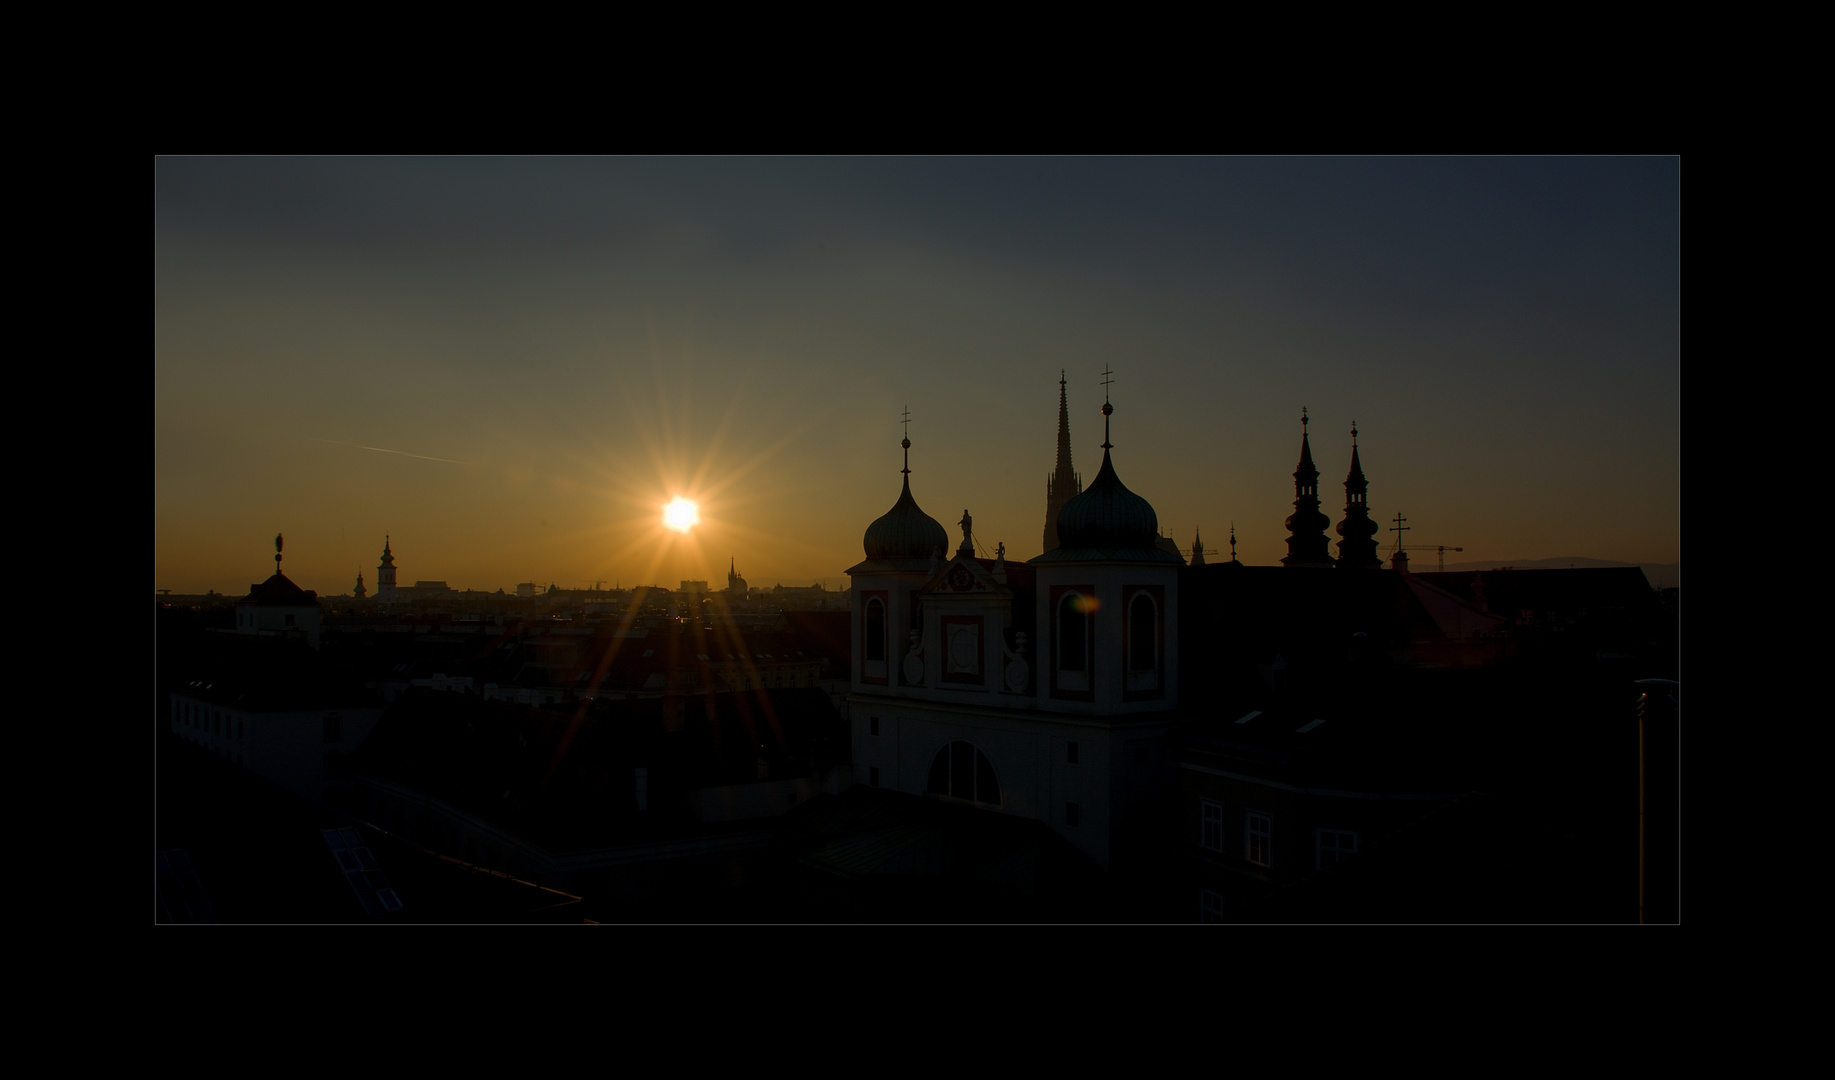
1064 466
1232 541
1197 547
278 541
1307 544
1358 548
1063 484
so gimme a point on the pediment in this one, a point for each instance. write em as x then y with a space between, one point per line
965 575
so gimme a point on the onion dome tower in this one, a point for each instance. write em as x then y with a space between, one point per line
1307 544
1064 484
1358 548
1107 521
904 549
905 532
1106 606
360 592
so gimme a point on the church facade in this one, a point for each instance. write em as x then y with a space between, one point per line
1043 689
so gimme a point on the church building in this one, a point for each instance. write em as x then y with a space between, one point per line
1043 689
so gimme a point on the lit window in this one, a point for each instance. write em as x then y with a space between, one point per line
1212 835
1258 834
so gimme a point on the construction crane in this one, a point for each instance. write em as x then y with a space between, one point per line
1441 548
1398 529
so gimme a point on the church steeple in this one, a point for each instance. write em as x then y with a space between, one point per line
1358 548
1063 484
385 575
360 592
1197 547
1307 544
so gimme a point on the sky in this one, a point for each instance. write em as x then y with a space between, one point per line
508 366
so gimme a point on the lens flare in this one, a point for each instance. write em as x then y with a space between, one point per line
682 514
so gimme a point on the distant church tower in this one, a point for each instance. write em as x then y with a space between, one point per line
1063 485
1358 548
735 585
385 575
360 592
1307 544
1197 548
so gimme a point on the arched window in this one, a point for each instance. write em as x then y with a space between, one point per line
876 630
962 772
1073 633
1143 634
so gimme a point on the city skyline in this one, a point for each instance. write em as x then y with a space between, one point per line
509 366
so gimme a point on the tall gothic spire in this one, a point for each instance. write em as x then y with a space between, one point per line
1358 548
1197 547
1064 484
1307 544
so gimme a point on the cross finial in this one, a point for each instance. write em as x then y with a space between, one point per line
1303 420
1107 378
1398 529
906 441
1353 433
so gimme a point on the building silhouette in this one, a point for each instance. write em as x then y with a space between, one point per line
1307 543
1357 549
1064 484
1042 689
385 576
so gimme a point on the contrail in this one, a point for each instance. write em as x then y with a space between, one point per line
386 450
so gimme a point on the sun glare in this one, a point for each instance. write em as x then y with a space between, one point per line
682 514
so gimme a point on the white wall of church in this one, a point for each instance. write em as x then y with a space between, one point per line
1030 755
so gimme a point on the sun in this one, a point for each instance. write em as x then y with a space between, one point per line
682 514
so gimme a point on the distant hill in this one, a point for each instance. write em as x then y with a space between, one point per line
1661 575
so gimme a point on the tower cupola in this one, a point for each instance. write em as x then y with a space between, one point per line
1357 549
905 531
1107 521
1307 544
